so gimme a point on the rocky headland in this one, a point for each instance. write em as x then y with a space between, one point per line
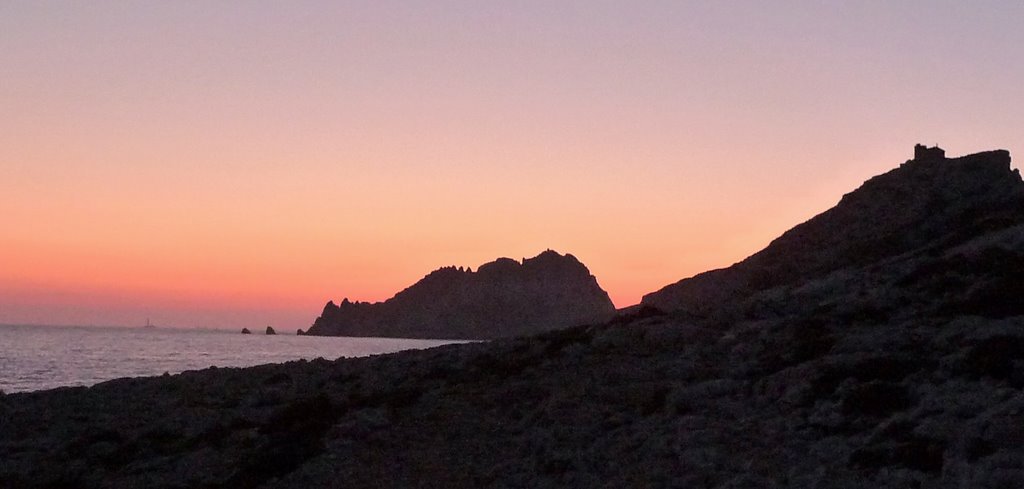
502 298
880 344
927 205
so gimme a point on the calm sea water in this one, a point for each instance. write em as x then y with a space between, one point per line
44 357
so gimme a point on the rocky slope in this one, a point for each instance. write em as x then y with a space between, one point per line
502 298
928 203
900 366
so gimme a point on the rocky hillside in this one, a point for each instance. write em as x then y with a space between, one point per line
502 298
928 203
901 365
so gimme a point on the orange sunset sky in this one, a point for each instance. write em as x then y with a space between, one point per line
229 164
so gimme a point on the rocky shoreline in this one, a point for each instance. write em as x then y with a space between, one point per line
657 400
900 365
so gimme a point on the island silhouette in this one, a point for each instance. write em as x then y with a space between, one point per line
501 298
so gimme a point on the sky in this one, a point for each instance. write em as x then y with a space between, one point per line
230 164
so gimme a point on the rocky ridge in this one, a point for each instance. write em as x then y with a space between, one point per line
502 298
928 203
898 366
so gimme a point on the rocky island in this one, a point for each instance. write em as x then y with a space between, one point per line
502 298
879 344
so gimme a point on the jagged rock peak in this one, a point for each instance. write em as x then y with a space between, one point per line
504 297
445 272
552 258
548 261
501 265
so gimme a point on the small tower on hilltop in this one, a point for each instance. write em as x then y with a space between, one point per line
924 153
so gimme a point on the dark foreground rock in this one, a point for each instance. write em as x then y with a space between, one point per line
903 371
270 330
501 299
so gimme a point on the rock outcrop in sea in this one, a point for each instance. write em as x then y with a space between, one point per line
879 345
502 298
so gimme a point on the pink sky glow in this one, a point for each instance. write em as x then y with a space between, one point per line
233 164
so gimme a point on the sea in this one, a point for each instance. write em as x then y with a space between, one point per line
44 357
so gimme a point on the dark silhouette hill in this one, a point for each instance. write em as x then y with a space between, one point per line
928 203
502 298
888 353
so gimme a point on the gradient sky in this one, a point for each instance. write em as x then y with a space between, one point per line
228 164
